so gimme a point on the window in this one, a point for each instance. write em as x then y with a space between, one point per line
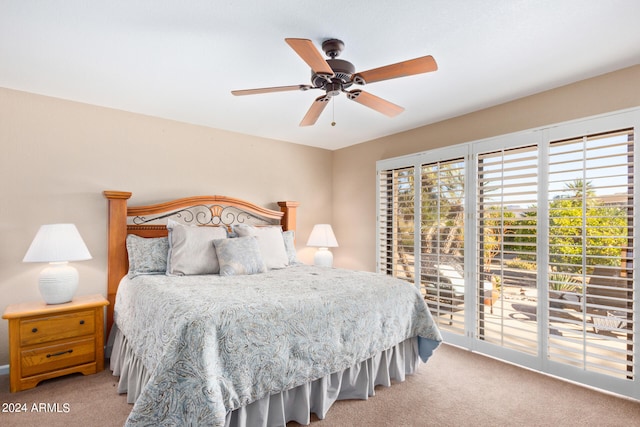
523 245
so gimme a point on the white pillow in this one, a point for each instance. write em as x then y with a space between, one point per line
270 241
191 249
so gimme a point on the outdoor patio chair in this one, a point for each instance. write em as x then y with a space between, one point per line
610 289
448 286
613 321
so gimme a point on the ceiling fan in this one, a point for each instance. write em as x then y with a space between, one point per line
337 75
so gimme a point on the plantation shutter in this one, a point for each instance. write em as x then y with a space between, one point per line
523 245
590 198
507 198
396 227
442 242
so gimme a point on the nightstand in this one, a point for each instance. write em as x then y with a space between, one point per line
47 341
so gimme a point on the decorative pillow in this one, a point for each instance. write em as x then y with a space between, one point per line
147 255
290 247
239 256
270 241
191 249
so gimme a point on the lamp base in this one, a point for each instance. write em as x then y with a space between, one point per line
58 283
323 258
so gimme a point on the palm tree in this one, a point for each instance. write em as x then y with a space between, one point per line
581 189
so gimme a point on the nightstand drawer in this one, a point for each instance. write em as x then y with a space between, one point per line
50 358
52 328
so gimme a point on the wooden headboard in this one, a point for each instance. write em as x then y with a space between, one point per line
150 221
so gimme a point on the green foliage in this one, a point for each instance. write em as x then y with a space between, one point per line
521 265
523 238
580 226
495 224
497 282
564 282
594 231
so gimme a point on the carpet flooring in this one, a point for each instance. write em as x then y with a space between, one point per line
455 388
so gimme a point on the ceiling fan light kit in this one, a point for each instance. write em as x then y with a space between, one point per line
335 76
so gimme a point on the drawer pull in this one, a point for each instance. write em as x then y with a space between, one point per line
60 353
34 330
82 322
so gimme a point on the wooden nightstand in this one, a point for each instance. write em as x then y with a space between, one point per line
47 341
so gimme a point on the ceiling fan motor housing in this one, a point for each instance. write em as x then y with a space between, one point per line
342 72
332 47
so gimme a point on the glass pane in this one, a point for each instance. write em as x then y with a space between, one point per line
507 294
442 242
396 223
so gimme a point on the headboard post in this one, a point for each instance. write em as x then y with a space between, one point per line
289 218
117 259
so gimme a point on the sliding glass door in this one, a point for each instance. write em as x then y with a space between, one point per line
523 245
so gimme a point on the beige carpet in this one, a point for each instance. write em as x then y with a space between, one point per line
456 388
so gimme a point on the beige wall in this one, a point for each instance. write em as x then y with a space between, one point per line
354 168
58 156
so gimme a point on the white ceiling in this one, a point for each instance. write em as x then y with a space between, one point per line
179 59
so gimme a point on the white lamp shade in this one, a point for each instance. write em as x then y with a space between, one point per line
322 237
57 243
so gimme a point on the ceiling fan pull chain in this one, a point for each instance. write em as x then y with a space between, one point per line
333 120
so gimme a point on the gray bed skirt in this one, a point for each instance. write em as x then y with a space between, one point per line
296 404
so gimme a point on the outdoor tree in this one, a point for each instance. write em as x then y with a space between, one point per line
580 224
495 224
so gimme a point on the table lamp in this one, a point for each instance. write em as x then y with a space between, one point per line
57 244
323 238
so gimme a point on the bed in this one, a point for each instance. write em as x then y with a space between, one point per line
214 321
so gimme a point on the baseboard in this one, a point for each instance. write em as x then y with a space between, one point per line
4 369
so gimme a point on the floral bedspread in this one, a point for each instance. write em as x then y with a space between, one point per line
213 343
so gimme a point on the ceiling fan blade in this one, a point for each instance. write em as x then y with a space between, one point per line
316 109
380 105
310 54
270 89
411 67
